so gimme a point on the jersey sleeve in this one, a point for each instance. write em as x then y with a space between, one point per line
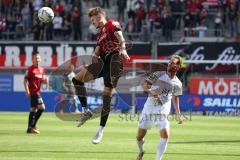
177 90
43 71
115 26
153 77
43 74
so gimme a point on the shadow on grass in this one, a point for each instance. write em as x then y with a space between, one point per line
121 152
205 154
210 142
74 152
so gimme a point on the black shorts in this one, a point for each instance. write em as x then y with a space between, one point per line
110 67
36 100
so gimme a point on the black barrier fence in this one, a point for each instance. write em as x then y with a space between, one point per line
18 54
226 51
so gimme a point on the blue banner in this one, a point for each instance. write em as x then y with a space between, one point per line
13 98
209 103
17 101
6 83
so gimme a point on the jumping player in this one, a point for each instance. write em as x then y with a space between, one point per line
107 62
32 82
162 87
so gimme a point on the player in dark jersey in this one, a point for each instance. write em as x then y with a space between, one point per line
107 62
32 82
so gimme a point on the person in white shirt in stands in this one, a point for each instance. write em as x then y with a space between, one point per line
57 25
162 87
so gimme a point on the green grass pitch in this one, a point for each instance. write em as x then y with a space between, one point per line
208 138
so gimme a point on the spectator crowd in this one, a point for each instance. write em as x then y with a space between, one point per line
18 18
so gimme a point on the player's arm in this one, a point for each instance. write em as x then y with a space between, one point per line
64 85
25 84
175 101
96 54
149 81
121 41
45 80
146 88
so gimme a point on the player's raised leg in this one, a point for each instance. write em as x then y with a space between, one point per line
83 76
78 81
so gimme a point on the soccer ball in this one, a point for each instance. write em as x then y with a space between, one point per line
45 14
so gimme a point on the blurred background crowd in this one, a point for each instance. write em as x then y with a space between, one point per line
142 20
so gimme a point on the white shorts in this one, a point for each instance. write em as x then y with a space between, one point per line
146 122
152 115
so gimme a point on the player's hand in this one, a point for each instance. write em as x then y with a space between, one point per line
125 55
181 119
45 79
28 94
95 58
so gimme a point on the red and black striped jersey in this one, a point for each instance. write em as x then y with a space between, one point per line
34 75
106 39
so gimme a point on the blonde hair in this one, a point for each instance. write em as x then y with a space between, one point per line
177 57
95 11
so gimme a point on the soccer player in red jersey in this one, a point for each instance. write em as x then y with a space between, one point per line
32 82
107 62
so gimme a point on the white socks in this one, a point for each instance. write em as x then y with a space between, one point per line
101 129
140 145
161 148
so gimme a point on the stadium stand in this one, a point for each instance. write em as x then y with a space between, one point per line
143 20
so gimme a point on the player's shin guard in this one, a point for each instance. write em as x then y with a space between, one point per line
81 92
161 148
37 116
105 110
31 119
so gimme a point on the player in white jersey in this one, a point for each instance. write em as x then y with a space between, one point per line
162 87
